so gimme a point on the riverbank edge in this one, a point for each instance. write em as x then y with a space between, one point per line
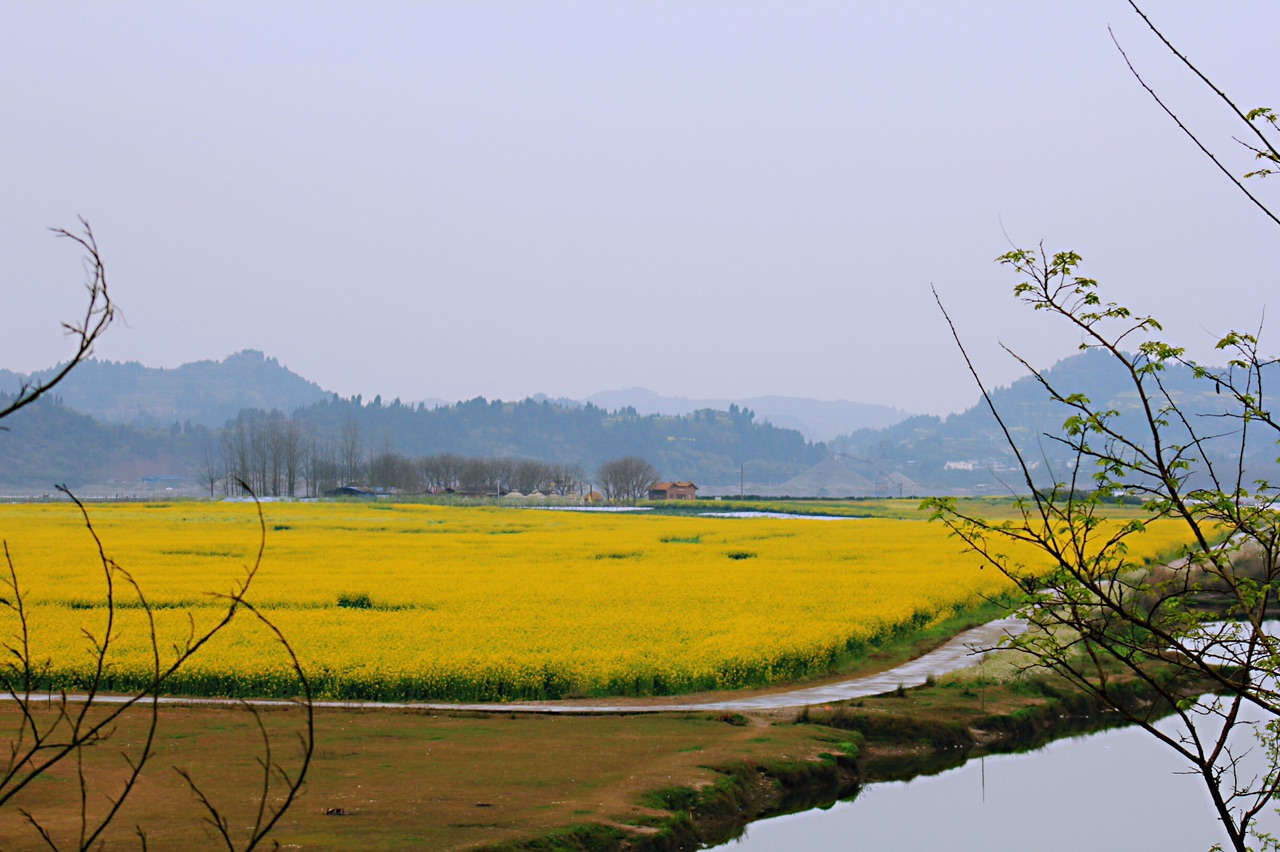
867 749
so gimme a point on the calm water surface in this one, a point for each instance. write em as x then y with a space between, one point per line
1115 789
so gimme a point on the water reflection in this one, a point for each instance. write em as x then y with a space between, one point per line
1117 789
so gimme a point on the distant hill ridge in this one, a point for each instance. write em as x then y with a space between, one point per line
210 393
817 420
968 451
207 393
181 409
49 442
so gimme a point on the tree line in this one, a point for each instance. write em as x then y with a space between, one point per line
334 441
276 455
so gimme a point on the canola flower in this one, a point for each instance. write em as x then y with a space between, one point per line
410 601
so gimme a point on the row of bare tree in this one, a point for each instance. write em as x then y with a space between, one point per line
277 456
475 475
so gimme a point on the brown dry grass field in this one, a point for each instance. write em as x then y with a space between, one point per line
408 779
416 780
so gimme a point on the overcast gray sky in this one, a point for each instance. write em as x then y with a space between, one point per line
703 198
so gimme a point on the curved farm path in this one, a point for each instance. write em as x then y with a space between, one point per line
957 653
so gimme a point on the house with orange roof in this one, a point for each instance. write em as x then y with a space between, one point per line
673 491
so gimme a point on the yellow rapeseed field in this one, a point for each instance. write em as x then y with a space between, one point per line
429 602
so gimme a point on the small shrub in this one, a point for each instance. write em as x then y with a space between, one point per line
740 554
841 717
355 601
1031 686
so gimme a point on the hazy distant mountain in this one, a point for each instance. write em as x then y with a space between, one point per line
817 420
968 451
707 447
111 422
712 441
48 443
207 393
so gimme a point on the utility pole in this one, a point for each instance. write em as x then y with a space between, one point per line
742 480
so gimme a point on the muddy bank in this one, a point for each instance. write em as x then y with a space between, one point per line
716 813
891 737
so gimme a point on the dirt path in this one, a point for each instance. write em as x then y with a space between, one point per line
960 652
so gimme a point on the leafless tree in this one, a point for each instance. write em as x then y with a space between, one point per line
291 447
320 466
393 470
236 456
501 472
351 452
567 478
261 455
74 728
212 471
273 428
529 475
98 313
440 471
56 731
265 450
478 476
627 479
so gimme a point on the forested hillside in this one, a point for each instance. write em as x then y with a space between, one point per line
968 450
705 446
48 443
965 452
207 393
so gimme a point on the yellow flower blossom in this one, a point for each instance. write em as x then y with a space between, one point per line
409 601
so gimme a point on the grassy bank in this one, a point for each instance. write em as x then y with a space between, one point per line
893 737
394 780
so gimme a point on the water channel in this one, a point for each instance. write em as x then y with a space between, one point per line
1115 789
